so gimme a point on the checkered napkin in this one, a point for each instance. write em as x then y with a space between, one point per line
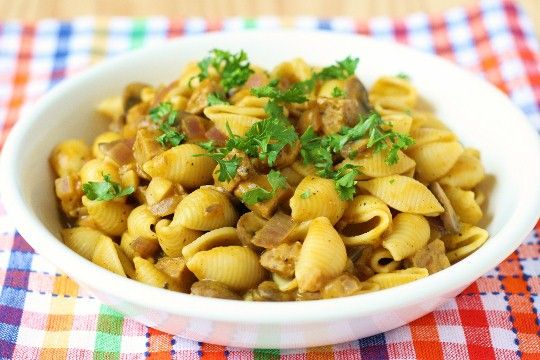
45 315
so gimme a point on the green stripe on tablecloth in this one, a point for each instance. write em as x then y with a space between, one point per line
266 354
250 23
138 33
109 334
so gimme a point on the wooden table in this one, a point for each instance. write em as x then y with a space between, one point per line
37 9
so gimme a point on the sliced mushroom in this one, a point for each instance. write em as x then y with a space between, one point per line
356 90
247 226
449 217
213 289
132 95
275 232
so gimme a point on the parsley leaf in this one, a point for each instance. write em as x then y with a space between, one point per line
345 181
227 166
165 116
216 99
105 190
233 69
208 145
295 94
338 92
341 70
258 194
306 194
403 76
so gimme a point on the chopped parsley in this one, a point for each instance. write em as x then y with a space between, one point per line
216 99
403 76
341 70
105 190
228 166
233 69
306 194
345 179
258 194
338 92
165 116
295 94
208 145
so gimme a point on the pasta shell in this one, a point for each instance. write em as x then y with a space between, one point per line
179 165
294 70
173 238
236 267
327 87
434 160
147 273
466 173
238 118
322 257
364 221
125 244
465 243
398 277
464 204
141 222
285 284
322 200
376 166
69 156
82 240
106 256
404 194
399 122
394 88
94 170
410 233
423 136
205 209
381 261
109 216
220 237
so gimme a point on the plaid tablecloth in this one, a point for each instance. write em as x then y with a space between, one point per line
45 315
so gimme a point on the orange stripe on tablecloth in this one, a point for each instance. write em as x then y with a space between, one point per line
425 338
19 80
212 352
520 306
175 27
159 345
59 320
320 352
489 62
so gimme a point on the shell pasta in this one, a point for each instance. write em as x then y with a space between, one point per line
296 183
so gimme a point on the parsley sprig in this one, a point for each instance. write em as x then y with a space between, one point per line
341 70
258 194
338 92
233 69
165 116
105 190
320 150
216 99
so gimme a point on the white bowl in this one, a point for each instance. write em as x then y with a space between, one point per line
481 115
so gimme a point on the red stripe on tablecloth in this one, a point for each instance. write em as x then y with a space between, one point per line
400 31
475 325
441 41
489 63
175 27
425 338
19 81
212 352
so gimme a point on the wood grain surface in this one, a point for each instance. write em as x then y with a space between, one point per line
37 9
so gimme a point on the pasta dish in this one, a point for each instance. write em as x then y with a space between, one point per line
297 183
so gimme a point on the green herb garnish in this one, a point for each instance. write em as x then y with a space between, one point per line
338 92
105 190
345 179
208 145
165 116
233 69
216 99
306 194
341 70
403 76
258 194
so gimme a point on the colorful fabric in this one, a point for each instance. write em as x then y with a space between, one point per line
45 315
